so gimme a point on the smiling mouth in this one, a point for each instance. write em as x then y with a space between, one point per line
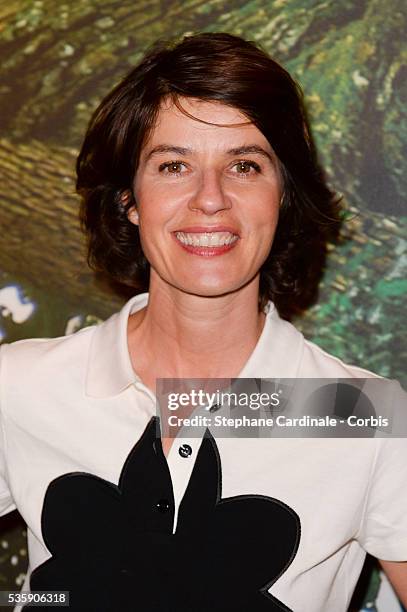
206 239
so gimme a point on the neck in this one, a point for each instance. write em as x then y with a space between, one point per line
188 336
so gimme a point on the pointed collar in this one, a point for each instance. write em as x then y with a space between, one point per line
277 353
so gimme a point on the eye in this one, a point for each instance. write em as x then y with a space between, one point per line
172 167
246 167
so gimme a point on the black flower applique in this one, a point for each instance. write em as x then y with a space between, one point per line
113 548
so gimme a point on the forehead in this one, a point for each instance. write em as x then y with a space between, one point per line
202 122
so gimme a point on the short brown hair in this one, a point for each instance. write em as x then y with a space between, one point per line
212 67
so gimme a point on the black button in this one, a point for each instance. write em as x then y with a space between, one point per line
185 450
214 408
163 505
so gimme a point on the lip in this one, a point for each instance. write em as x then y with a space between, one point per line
206 251
201 229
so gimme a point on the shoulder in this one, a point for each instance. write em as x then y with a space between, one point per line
292 355
387 396
24 361
32 348
318 363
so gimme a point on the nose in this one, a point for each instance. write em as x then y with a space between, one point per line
209 196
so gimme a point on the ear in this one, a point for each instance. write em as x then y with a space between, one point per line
132 213
281 199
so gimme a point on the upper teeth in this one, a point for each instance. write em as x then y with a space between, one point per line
206 238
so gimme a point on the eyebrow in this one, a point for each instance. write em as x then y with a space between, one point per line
164 148
237 151
251 149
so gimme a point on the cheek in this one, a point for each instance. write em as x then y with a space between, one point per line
154 219
263 217
261 231
152 208
156 202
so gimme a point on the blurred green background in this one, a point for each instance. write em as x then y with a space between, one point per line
59 59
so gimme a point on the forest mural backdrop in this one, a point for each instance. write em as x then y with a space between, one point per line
59 59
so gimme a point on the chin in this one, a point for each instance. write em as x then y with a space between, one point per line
210 289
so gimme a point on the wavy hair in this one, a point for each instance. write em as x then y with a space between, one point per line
228 69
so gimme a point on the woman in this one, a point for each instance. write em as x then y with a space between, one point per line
200 184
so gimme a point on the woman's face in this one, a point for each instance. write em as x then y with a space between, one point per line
207 199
